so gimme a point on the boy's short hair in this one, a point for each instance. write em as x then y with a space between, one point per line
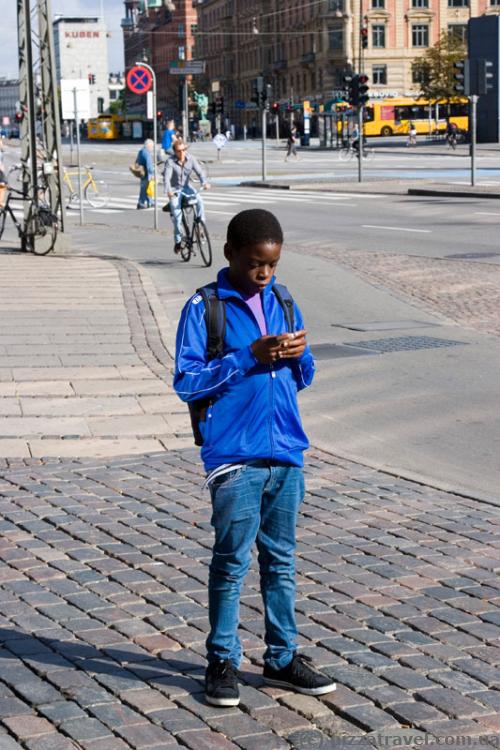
253 226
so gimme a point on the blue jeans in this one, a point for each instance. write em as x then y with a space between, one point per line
259 501
176 213
144 199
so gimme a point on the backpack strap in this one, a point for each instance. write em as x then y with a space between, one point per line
286 301
215 312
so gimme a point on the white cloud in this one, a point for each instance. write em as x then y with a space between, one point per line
113 13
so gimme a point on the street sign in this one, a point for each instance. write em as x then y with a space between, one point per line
5 120
139 80
219 140
239 104
150 111
186 67
68 98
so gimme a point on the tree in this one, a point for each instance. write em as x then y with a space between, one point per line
435 68
119 106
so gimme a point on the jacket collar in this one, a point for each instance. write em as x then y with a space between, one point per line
226 289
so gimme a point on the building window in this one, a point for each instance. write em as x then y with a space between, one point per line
418 73
100 105
496 3
180 29
182 53
336 5
420 35
336 39
194 28
378 35
378 3
458 3
458 30
379 75
419 3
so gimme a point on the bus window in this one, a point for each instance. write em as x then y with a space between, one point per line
368 114
387 112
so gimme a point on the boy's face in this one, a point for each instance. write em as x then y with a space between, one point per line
251 268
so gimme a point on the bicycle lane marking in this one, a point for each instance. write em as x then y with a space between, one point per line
395 229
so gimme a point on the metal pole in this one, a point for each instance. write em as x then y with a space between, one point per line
264 124
185 109
71 136
77 125
155 136
28 124
277 123
473 100
360 144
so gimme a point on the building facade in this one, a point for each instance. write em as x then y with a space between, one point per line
159 32
81 51
9 96
304 49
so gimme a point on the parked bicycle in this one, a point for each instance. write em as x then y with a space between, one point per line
95 192
195 236
40 234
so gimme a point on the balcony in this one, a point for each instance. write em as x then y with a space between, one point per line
308 59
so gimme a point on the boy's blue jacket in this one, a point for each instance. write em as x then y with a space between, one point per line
254 413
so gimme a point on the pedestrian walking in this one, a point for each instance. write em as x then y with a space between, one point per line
145 161
168 138
291 143
412 135
253 444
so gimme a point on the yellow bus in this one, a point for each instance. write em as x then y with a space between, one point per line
393 116
105 127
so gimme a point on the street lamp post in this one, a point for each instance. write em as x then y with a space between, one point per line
155 138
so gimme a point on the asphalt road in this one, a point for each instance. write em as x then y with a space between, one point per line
430 413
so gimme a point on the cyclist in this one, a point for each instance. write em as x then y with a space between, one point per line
412 134
178 172
3 179
451 134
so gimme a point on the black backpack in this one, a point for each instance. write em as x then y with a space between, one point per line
215 311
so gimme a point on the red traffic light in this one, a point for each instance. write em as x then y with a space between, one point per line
363 78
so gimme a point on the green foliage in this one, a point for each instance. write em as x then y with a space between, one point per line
118 106
435 67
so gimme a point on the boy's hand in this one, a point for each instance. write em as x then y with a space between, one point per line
269 349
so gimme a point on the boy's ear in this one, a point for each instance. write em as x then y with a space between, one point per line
227 251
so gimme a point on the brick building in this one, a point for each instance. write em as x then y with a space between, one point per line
159 32
304 48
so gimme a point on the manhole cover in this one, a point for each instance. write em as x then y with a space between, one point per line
405 343
385 325
472 256
336 351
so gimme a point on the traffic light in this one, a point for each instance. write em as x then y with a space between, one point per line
484 76
275 108
91 78
461 77
159 115
364 36
213 109
219 105
19 116
363 88
352 85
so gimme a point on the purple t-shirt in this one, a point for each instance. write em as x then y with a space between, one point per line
255 304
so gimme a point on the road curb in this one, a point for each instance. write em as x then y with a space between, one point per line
453 193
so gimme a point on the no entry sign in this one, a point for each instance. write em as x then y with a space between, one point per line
139 80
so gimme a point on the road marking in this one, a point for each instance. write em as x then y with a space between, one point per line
225 213
487 213
394 229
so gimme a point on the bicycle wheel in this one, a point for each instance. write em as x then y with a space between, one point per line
96 193
45 228
367 154
203 240
345 154
186 245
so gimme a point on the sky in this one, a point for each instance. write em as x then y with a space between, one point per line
113 13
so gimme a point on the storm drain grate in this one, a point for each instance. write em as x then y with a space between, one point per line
404 343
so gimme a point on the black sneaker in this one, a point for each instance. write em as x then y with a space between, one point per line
177 247
221 684
300 675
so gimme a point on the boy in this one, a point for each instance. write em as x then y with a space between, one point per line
253 453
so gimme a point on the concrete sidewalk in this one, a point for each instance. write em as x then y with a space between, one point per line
105 545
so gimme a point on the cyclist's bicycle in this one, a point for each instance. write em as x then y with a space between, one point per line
452 139
94 191
196 235
348 151
42 225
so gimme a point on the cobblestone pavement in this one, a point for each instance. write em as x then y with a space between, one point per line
464 291
103 591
